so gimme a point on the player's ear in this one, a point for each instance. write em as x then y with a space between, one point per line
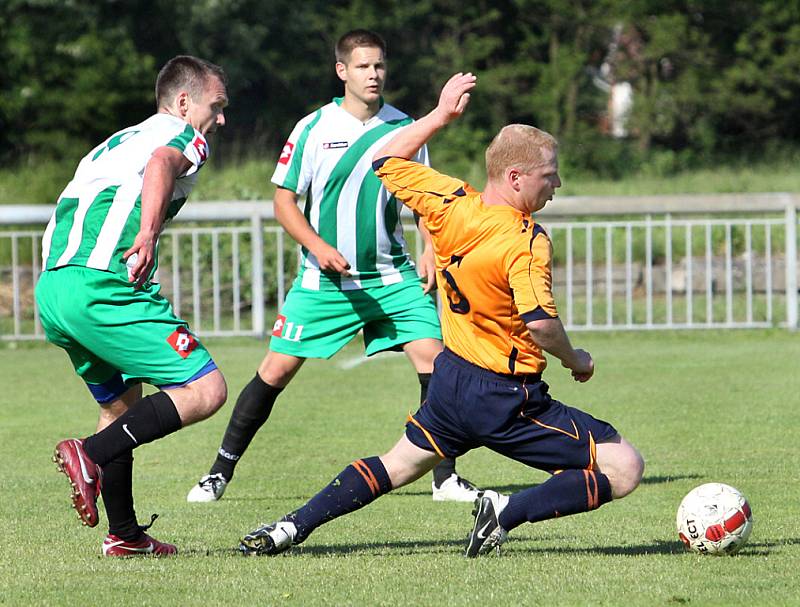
182 103
512 178
341 71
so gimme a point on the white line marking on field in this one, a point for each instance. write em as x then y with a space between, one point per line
352 363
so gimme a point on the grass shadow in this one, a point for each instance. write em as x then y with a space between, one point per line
514 488
411 547
662 479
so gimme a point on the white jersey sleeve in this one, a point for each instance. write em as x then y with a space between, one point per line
295 167
193 146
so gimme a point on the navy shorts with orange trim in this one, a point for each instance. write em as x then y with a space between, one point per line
468 407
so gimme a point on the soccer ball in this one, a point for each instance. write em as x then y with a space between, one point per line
714 519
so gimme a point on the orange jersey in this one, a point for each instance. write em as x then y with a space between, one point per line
494 265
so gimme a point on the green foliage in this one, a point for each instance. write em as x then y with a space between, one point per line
710 76
68 78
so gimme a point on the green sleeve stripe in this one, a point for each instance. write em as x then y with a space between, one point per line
293 174
183 140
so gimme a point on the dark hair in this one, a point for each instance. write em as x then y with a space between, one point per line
188 73
355 39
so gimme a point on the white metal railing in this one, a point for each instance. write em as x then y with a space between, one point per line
692 262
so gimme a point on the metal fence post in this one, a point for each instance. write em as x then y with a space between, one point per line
791 263
257 252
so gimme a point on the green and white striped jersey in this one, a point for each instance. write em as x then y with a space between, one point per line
329 157
98 214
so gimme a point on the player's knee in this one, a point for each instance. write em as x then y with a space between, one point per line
278 370
628 472
210 396
215 395
622 464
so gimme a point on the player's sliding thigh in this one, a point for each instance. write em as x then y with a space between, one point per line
199 399
406 462
621 463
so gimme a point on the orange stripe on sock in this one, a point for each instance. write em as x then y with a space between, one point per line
589 502
592 452
371 475
366 473
428 436
594 499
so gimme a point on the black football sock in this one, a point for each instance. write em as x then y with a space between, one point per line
568 492
117 491
442 470
252 409
149 419
361 483
424 380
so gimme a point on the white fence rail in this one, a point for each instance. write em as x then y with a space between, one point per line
688 262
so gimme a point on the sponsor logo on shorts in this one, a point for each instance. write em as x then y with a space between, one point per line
286 153
286 330
182 341
334 145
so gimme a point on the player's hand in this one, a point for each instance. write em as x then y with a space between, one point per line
426 268
454 97
140 258
330 260
582 366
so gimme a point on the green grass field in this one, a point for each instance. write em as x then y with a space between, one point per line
701 406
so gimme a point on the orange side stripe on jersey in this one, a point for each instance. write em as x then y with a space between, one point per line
365 472
428 436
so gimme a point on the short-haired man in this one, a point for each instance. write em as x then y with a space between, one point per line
97 301
356 274
493 263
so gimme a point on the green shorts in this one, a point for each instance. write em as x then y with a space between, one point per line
317 324
117 336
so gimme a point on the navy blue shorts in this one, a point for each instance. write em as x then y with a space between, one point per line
469 407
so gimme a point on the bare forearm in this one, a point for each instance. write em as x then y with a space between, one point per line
409 140
292 219
157 188
549 334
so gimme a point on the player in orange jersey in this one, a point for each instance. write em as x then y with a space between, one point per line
493 263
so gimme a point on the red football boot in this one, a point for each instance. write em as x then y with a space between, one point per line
84 475
146 545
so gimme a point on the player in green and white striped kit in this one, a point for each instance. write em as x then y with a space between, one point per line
97 301
356 273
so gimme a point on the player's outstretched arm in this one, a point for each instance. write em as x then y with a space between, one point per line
163 168
550 335
453 101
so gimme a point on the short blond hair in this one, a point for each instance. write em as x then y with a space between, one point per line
520 146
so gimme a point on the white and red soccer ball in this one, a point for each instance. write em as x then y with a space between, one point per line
714 519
